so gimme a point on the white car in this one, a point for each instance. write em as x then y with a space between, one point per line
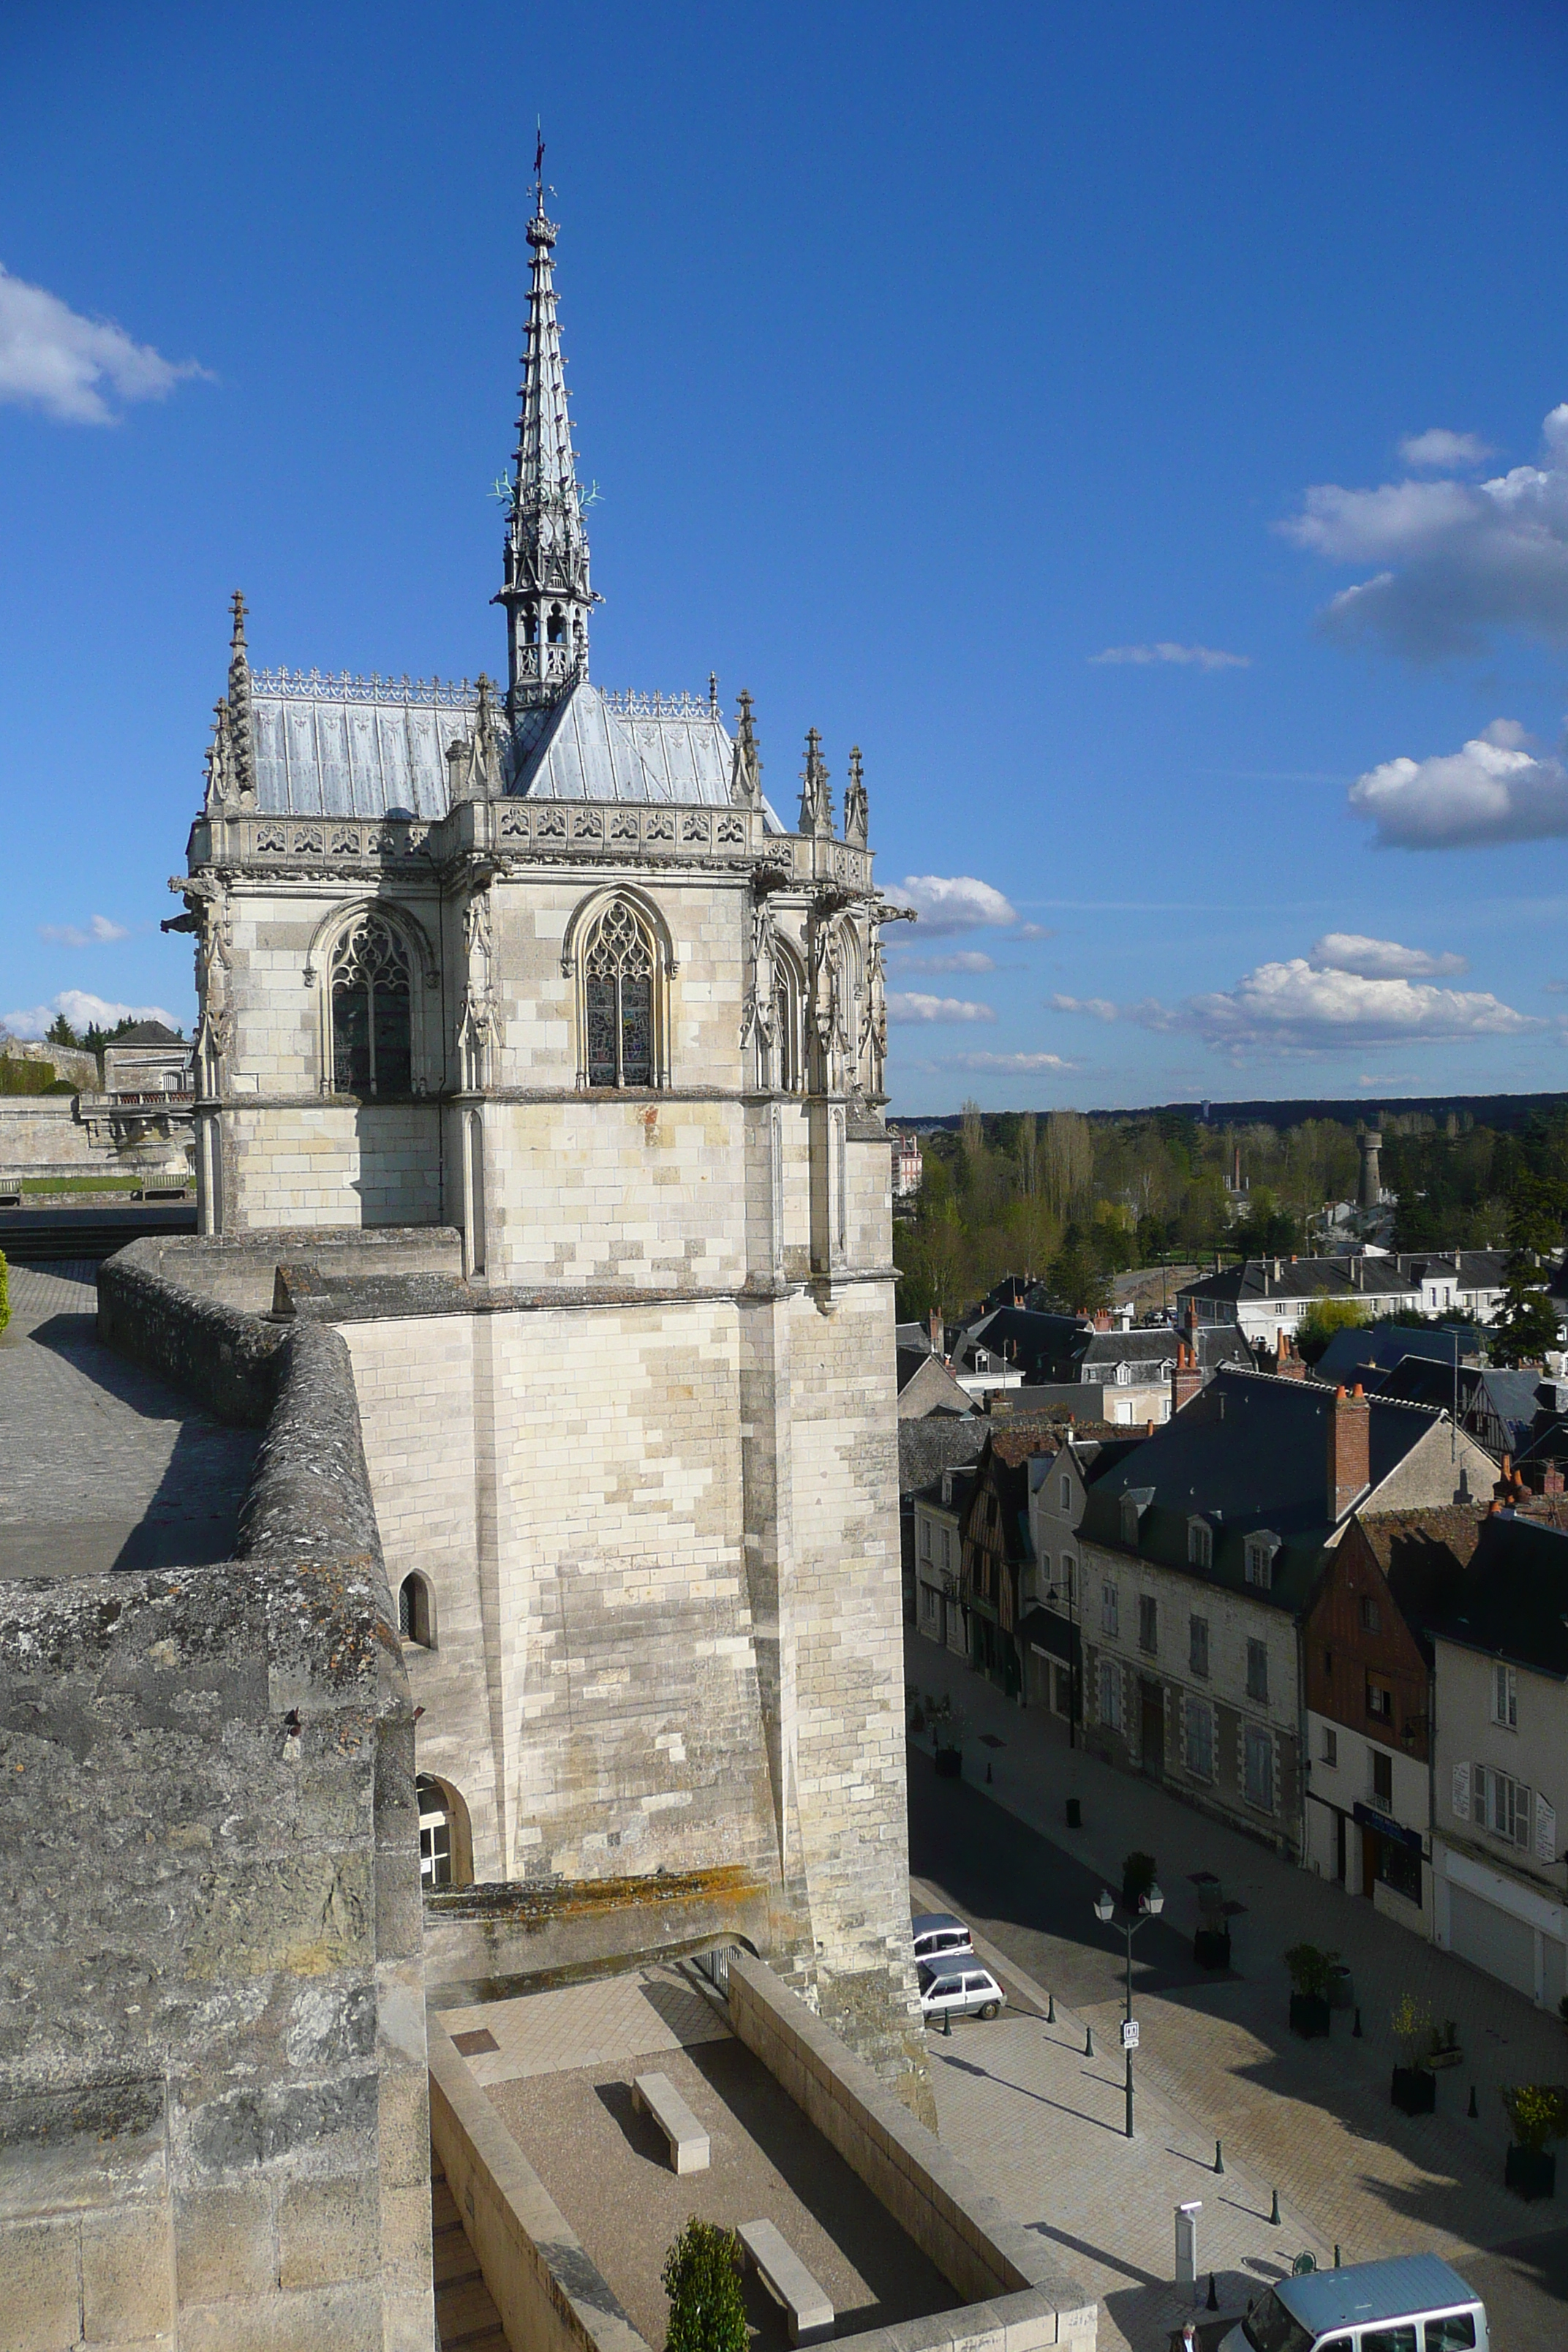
939 1932
951 1989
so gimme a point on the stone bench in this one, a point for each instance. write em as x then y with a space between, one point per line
657 2095
810 2311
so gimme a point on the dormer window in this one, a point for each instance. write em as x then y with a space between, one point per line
1200 1544
1134 1503
1261 1550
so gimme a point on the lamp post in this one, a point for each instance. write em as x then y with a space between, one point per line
1149 1906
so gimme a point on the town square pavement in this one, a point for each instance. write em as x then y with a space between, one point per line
1042 2124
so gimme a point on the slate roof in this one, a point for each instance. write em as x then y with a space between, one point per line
1248 1453
941 1442
1352 1352
371 747
1513 1602
149 1033
1330 1277
1510 1397
1052 1348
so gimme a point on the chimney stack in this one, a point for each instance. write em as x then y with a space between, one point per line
1186 1379
936 1332
1287 1364
1350 1451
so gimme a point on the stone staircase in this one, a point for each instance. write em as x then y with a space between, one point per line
465 2316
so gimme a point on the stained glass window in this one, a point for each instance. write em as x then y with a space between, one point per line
618 971
370 1010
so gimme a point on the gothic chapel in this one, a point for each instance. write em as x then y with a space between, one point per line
546 1062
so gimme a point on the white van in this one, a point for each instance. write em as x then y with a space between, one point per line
1413 2303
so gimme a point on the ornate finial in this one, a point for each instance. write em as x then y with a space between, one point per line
713 693
816 799
746 771
240 757
856 811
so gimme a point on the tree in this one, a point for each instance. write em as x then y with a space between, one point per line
61 1033
1321 1321
1526 1326
1077 1278
703 2279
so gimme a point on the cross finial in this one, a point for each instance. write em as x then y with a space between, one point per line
713 693
236 607
815 801
857 815
746 773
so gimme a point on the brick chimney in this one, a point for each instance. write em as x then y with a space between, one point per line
1103 1319
937 1334
1186 1380
1350 1451
1287 1364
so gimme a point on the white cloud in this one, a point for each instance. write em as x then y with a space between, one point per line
1381 1078
1033 931
1493 790
1288 1009
99 929
1020 1064
961 959
83 1011
956 902
53 359
1382 958
1439 451
1190 656
906 1006
1459 559
1098 1008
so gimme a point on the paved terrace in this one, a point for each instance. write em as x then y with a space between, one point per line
1042 2125
559 2075
103 1465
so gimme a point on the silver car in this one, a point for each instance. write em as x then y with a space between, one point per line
937 1933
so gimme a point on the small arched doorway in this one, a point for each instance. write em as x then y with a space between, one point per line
446 1842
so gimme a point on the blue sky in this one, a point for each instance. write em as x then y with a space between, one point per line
923 358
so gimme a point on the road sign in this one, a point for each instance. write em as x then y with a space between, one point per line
1130 2033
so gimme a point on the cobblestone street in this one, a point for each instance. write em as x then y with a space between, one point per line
1310 2119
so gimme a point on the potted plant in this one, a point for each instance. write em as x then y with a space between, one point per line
1138 1874
1211 1943
1311 1972
947 1736
1414 2089
1445 2050
1537 2112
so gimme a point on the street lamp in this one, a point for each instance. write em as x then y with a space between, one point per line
1149 1906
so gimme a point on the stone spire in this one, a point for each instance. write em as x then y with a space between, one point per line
816 799
546 591
746 770
857 809
240 747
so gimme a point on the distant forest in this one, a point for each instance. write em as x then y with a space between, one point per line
1074 1200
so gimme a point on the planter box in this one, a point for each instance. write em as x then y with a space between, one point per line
949 1763
1211 1948
1414 2090
1441 2058
1309 2015
1531 2172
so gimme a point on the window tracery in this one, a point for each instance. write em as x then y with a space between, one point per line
620 969
372 1012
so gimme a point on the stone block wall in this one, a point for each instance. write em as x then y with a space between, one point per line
213 2099
302 1164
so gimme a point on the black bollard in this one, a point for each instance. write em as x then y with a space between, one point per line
1472 2110
947 2023
1337 2264
1218 2157
1050 2008
1075 1814
1356 2035
1212 2304
1274 2212
1089 2040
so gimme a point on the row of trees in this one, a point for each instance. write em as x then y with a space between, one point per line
1073 1200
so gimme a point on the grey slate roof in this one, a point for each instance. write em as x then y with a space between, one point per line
928 1447
1513 1601
369 748
1354 1350
1249 1451
1051 1348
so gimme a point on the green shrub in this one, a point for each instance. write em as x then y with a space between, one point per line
20 1076
1537 2112
703 2279
1311 1969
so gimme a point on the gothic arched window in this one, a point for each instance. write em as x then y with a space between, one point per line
620 966
789 992
371 995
